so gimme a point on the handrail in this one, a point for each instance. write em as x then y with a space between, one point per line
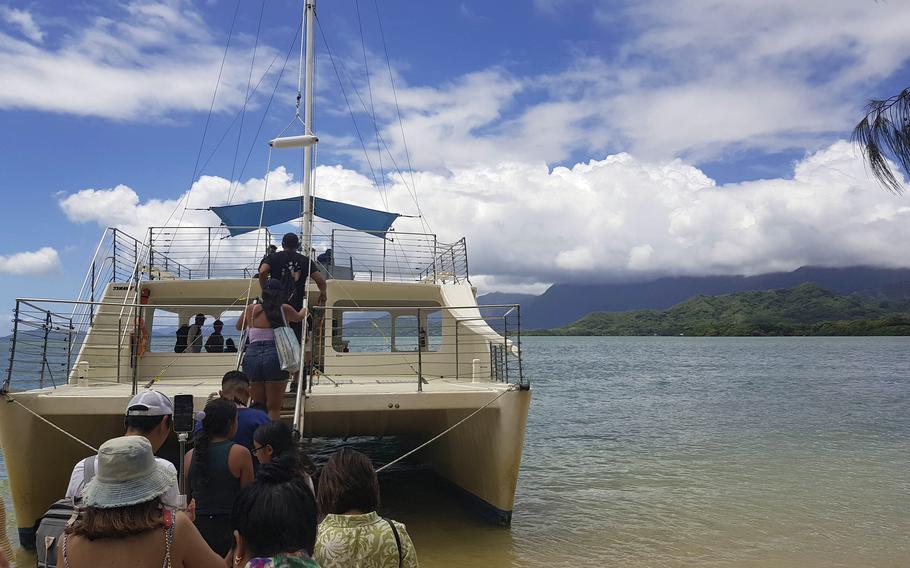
427 344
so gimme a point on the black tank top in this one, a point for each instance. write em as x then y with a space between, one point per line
217 496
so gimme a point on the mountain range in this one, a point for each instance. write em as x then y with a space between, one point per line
563 304
807 309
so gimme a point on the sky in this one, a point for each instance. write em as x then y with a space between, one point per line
568 140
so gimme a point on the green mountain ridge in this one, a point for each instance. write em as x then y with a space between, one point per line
807 309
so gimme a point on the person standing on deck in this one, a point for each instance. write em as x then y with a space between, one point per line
215 341
260 362
292 268
194 335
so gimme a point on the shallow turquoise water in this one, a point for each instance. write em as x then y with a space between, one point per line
695 452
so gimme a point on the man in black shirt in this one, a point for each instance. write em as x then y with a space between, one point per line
215 341
288 265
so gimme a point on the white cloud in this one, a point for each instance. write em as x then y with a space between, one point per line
694 79
24 21
148 60
615 218
40 262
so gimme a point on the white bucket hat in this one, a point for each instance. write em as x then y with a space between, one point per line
128 474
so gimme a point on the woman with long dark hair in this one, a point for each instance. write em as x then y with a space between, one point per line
274 520
275 441
260 360
351 532
217 469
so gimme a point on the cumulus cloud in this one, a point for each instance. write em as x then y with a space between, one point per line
24 21
146 60
40 262
613 218
694 79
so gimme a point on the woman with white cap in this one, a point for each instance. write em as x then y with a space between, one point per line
123 522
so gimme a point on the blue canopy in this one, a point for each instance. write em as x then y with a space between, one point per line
244 218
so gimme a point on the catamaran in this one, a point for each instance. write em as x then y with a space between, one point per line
400 348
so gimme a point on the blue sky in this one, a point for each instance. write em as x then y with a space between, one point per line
511 111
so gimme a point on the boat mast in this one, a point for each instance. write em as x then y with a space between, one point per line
307 213
303 376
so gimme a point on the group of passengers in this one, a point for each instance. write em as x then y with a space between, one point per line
255 499
190 338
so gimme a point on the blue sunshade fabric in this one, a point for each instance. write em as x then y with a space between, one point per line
244 218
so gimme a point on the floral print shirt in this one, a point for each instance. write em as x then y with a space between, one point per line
283 561
366 541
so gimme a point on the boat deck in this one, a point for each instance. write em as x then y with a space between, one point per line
345 394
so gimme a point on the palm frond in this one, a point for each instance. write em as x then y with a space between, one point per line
883 135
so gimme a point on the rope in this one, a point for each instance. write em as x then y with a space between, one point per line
443 433
48 422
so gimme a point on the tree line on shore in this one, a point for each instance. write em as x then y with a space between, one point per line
807 309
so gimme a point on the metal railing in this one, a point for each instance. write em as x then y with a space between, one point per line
206 252
132 343
193 253
399 257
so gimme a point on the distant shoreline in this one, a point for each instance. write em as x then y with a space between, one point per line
807 310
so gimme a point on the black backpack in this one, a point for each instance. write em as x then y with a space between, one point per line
183 333
55 520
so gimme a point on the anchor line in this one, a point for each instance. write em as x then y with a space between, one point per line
443 433
48 422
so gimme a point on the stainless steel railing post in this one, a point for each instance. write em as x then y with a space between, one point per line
114 256
12 349
47 329
119 345
419 356
505 348
151 256
208 256
521 375
91 309
69 349
456 349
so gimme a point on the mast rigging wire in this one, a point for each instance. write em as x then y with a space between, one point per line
404 140
366 67
246 99
208 119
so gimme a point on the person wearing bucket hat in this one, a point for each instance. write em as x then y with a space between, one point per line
148 415
123 521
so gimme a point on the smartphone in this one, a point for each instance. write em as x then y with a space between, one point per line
184 418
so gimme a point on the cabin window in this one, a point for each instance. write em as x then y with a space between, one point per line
434 330
165 325
362 331
405 333
163 332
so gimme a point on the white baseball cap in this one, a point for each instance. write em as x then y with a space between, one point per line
150 403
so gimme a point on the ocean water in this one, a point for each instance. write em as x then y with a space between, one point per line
756 452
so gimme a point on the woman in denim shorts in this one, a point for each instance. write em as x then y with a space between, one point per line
260 359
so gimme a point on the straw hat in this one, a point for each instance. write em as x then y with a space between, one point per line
128 474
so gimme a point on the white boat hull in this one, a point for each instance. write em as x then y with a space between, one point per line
481 456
